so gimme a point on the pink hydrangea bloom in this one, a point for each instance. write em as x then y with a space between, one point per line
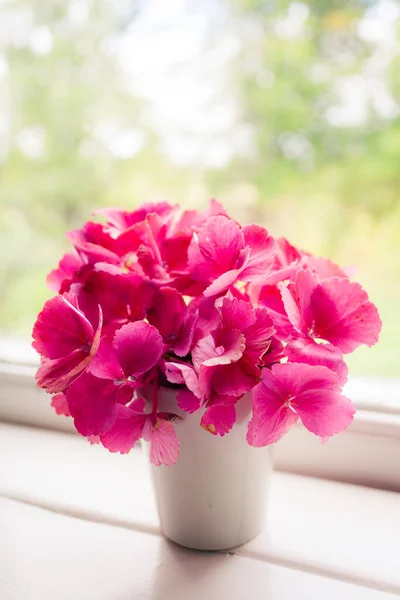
60 279
123 297
228 360
60 404
291 391
170 315
129 426
219 419
334 309
119 220
115 372
306 350
94 244
194 301
222 253
67 342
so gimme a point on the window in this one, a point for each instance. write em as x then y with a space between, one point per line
285 111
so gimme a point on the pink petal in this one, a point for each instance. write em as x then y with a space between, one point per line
224 281
286 254
276 277
237 314
92 404
324 412
262 252
220 348
275 352
124 394
203 350
60 329
60 405
138 405
94 243
57 374
219 419
323 267
67 267
164 443
235 379
188 401
258 336
271 417
119 219
93 439
125 431
297 300
312 392
292 379
148 234
167 312
271 299
105 364
123 297
343 314
216 248
138 346
215 208
305 350
229 346
122 219
184 342
183 374
175 251
208 316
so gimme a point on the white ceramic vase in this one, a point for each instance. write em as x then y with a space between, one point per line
215 496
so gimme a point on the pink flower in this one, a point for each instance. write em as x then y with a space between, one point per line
291 391
125 431
219 418
194 301
226 364
184 374
220 413
322 267
228 360
119 220
335 309
129 426
164 443
170 315
306 350
92 403
60 279
67 342
161 257
271 299
286 262
223 253
60 405
123 297
94 244
192 220
116 371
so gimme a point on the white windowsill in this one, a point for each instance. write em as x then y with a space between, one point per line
78 522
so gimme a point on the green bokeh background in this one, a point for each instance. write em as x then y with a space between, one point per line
333 190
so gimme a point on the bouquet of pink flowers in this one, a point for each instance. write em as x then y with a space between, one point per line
194 301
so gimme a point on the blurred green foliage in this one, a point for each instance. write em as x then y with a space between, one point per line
330 186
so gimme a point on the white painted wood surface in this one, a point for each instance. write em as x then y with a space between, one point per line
79 523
